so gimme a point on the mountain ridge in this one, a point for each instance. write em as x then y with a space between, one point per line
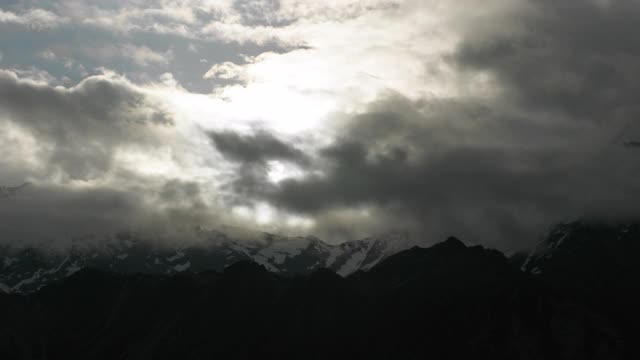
30 269
448 301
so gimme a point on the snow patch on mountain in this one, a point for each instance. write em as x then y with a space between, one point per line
35 276
333 256
281 249
8 261
183 267
178 255
546 248
30 269
353 264
56 269
264 262
74 268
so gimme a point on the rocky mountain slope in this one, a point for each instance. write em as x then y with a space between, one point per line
445 302
596 264
30 269
575 297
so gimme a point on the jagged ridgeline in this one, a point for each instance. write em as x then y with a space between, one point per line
29 269
574 297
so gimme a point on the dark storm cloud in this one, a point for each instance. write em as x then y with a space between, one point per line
554 145
56 215
444 179
576 57
42 213
255 148
252 153
81 128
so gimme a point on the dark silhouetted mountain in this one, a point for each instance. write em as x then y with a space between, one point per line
595 264
449 301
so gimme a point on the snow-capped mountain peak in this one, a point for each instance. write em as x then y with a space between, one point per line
30 269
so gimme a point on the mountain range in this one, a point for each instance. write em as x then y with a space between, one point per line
574 297
29 269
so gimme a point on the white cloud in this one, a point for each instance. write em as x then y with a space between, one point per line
139 54
226 71
342 54
36 19
48 55
353 52
144 56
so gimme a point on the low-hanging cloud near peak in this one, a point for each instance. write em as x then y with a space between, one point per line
100 156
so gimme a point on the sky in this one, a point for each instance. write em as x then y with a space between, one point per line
489 120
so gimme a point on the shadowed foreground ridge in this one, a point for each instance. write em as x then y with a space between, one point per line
449 301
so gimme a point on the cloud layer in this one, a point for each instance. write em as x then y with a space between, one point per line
341 119
550 143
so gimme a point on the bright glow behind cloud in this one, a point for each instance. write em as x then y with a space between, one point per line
295 69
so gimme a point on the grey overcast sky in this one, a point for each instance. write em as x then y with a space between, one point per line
490 120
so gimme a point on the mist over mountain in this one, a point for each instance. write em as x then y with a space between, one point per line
447 301
275 178
29 269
